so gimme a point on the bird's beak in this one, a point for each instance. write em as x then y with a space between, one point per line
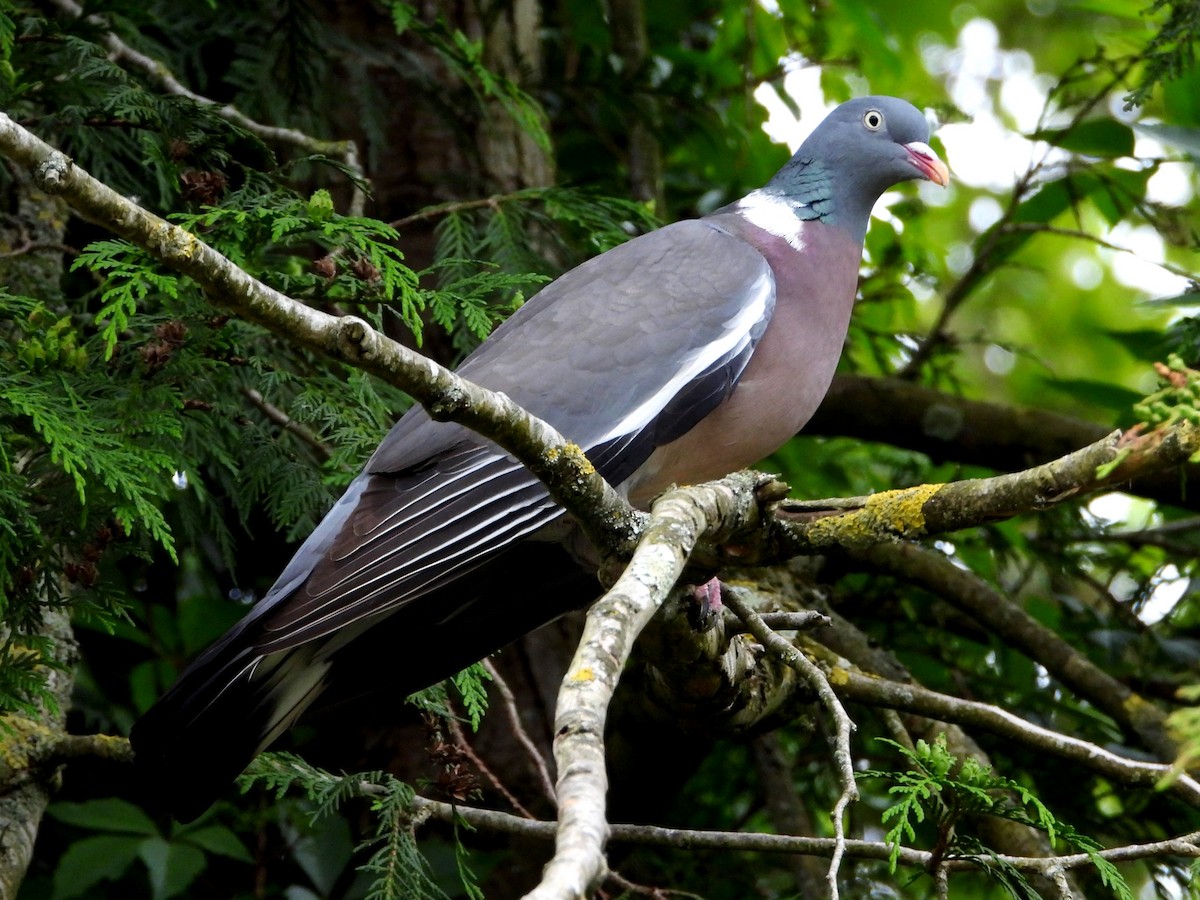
927 162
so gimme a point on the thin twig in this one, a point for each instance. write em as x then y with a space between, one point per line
513 711
288 424
859 687
460 741
1186 845
842 754
455 206
37 247
1043 228
633 887
801 620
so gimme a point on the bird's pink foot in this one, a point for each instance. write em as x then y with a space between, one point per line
706 607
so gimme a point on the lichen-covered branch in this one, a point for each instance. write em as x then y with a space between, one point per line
572 481
995 435
915 512
679 519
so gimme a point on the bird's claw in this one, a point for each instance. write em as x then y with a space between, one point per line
706 608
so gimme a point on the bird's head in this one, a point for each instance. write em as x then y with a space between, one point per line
861 149
883 138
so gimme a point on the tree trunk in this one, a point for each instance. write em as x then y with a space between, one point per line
27 788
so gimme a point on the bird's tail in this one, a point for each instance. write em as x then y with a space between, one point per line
234 700
226 707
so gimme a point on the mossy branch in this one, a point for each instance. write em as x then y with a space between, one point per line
931 509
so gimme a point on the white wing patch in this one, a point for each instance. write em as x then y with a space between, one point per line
737 334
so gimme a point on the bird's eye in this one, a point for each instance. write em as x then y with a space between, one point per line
873 119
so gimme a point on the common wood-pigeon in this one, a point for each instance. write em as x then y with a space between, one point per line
680 356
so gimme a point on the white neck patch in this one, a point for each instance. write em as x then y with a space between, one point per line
774 214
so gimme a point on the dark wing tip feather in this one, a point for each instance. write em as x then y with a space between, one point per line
198 737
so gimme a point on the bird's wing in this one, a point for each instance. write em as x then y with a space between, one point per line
622 354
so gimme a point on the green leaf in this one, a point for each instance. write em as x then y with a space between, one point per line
1102 7
217 839
1110 876
173 866
8 33
145 685
1181 96
1047 203
132 275
323 850
1187 298
1117 192
109 814
125 463
402 16
1113 191
204 618
1106 138
91 860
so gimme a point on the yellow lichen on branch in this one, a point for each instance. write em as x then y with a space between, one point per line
889 514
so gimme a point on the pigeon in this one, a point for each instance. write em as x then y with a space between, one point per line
677 357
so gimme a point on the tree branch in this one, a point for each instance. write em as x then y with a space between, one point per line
1185 845
679 519
30 746
999 615
842 754
288 424
927 509
572 481
946 427
854 685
